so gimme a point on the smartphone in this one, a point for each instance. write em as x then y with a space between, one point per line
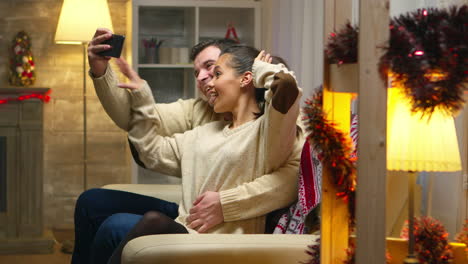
116 43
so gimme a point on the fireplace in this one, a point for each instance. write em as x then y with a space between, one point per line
21 173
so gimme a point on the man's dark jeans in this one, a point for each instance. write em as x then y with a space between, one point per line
103 218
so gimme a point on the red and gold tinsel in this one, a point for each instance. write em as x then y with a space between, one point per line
462 237
335 150
314 252
431 241
351 255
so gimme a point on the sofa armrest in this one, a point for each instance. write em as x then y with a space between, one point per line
218 248
168 192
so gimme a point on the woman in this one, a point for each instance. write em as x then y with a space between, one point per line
221 156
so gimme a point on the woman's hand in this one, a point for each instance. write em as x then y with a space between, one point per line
135 81
263 56
206 212
97 63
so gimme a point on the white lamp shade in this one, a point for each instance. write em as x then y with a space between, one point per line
419 144
79 19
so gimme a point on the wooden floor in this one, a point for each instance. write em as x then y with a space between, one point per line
57 257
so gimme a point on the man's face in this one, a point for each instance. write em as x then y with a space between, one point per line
203 65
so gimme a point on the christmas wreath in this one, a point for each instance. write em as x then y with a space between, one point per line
427 54
335 147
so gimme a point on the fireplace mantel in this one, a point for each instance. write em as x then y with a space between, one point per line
21 173
22 90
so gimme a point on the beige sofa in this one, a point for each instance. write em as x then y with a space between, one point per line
229 249
207 248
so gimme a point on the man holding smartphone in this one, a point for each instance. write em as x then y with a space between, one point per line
103 217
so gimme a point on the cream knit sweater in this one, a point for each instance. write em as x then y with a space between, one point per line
214 157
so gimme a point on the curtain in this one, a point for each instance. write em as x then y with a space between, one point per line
294 31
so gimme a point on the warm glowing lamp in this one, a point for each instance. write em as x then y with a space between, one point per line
416 143
77 23
79 19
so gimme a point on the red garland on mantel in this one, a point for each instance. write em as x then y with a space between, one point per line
43 97
336 150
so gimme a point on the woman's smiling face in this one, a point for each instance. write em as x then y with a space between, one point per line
225 87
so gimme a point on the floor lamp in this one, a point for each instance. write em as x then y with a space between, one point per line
77 23
416 144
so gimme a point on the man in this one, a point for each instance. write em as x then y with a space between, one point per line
103 217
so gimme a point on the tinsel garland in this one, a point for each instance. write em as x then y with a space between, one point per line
431 241
342 45
351 255
462 237
428 54
314 252
335 150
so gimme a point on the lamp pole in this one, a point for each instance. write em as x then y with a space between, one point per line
85 136
411 258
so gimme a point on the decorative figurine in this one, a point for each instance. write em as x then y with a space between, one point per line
22 68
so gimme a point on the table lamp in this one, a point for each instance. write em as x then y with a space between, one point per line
418 143
77 23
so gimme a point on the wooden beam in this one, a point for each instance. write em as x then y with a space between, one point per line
371 187
343 12
334 223
334 212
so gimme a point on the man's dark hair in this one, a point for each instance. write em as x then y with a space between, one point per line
219 43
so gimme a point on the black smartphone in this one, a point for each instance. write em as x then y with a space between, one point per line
116 43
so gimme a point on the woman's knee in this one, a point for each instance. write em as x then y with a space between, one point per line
154 217
116 227
152 222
